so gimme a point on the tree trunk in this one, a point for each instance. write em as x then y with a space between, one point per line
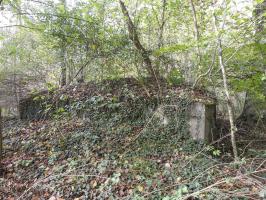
233 128
63 67
196 26
1 140
160 40
63 80
260 18
153 72
81 78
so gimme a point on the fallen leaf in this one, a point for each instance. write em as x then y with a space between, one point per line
140 188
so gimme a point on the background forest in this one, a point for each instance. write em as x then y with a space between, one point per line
215 46
60 42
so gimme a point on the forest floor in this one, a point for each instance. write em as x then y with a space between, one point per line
62 160
114 157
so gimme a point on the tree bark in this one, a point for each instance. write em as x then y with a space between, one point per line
233 128
196 27
63 80
63 68
1 140
153 72
81 78
160 42
258 14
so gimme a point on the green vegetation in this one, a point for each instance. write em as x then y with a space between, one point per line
96 98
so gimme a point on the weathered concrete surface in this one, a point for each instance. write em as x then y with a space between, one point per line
33 106
30 109
237 100
9 106
202 121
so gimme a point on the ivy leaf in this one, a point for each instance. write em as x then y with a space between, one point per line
61 8
140 188
263 78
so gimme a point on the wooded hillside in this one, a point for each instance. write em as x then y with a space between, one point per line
130 99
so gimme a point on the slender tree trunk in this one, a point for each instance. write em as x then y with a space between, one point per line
17 89
63 80
160 42
82 75
196 27
81 78
260 18
19 14
1 140
153 72
16 78
233 128
63 68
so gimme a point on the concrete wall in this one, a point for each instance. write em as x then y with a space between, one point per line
202 119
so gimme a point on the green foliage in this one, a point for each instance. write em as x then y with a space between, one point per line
171 49
175 77
213 151
259 1
132 151
92 33
51 87
178 193
24 163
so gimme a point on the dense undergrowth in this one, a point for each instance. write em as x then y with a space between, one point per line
122 145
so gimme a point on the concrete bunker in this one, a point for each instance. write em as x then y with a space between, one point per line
200 120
